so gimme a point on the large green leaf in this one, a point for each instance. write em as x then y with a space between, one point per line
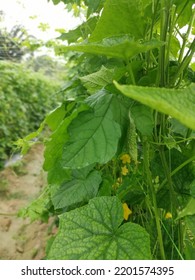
94 136
178 103
122 17
122 47
95 231
80 188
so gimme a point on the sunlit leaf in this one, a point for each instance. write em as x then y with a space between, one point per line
122 17
122 47
178 103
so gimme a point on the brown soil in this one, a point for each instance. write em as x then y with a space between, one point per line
19 185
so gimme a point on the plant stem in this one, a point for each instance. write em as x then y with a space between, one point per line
186 61
177 169
164 24
186 37
129 68
169 179
155 10
153 195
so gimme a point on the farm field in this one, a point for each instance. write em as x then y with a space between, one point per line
20 183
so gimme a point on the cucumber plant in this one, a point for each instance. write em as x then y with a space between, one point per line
120 158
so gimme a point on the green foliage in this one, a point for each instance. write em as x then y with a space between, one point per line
180 104
22 95
133 25
96 232
123 47
121 156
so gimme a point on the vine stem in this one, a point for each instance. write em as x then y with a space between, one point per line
153 195
177 169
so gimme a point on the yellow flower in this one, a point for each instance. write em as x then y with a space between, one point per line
124 170
125 158
168 215
126 211
119 180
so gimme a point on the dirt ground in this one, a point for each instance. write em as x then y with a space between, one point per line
19 185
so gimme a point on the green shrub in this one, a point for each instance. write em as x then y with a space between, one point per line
25 98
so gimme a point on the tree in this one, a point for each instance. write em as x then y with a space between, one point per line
13 43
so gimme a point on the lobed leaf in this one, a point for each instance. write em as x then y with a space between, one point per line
95 231
81 187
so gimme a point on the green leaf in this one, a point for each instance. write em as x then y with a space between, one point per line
38 208
54 146
190 222
178 103
94 136
82 31
122 47
80 188
93 6
188 210
95 231
143 118
184 9
96 81
106 186
122 17
56 1
192 188
54 118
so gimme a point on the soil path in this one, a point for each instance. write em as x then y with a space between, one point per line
19 185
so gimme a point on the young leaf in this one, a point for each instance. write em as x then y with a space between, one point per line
81 31
96 81
178 103
94 136
95 231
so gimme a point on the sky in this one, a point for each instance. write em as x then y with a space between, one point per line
30 13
